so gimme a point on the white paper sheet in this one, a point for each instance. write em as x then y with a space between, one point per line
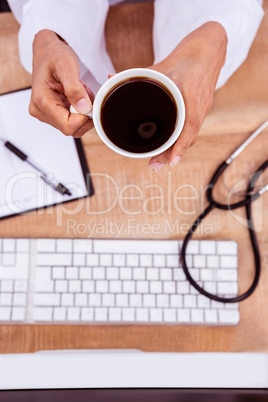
21 187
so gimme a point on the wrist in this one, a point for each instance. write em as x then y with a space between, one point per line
46 37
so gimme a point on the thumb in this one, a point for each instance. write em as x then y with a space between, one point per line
75 92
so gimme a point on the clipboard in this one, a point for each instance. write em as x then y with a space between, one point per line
21 188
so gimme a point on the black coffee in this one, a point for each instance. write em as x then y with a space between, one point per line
139 115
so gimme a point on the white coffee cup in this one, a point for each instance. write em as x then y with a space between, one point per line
117 79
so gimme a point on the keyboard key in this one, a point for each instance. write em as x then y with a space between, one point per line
146 260
162 300
106 260
52 259
213 261
228 261
102 286
61 286
207 247
98 273
79 260
80 299
42 314
165 274
138 274
88 286
5 313
114 314
228 288
189 301
195 273
203 301
85 273
43 282
152 274
211 316
94 299
92 260
128 314
6 285
59 314
136 246
217 305
178 274
169 287
45 245
112 273
8 259
199 261
142 314
128 286
18 314
189 261
183 287
132 260
108 300
64 245
173 261
149 301
183 315
67 299
170 315
73 314
119 260
74 286
22 245
115 286
71 273
87 314
156 315
47 299
197 316
58 272
159 260
19 299
206 274
228 317
193 247
18 271
176 300
82 246
155 287
135 300
142 286
121 300
125 273
210 287
227 247
6 299
8 245
223 275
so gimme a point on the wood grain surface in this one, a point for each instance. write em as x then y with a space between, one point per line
132 202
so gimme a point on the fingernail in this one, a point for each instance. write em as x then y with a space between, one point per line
83 106
156 166
175 161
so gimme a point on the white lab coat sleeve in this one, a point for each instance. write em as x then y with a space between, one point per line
175 19
80 23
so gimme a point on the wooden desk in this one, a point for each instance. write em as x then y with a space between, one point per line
159 206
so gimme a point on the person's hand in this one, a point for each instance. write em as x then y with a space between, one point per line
194 66
56 85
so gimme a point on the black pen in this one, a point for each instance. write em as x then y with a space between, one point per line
54 183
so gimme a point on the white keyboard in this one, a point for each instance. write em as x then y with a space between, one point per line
85 281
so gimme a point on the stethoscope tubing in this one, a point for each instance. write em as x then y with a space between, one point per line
213 204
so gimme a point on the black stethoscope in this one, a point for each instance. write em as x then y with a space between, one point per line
250 196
